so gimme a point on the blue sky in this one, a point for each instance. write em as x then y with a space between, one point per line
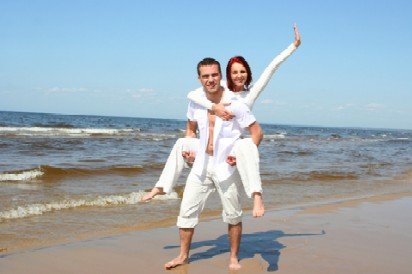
138 58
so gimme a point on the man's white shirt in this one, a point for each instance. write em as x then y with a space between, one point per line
224 136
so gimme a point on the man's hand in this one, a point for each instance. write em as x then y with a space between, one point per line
222 112
231 160
189 156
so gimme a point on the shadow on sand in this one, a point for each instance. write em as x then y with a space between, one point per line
264 244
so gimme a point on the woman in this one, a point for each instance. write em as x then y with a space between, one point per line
245 153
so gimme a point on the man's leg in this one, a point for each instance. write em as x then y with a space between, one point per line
235 234
247 162
232 215
186 235
194 197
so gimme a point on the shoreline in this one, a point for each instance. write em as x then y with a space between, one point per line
207 215
339 237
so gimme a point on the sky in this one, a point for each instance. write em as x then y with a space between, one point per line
138 58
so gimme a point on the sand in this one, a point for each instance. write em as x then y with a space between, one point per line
370 235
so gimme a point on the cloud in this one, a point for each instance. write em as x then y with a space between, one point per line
345 106
147 90
272 102
367 107
56 90
141 93
374 106
267 102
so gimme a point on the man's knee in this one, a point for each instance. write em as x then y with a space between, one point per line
187 222
232 218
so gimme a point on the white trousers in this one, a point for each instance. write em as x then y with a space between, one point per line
198 189
247 162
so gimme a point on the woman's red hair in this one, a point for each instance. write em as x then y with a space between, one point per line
242 61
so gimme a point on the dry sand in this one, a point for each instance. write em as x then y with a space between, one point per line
371 235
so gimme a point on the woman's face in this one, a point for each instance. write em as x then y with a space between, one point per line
238 74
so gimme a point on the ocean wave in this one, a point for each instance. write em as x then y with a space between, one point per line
275 136
55 125
50 172
156 136
23 175
402 140
65 131
100 201
323 176
55 132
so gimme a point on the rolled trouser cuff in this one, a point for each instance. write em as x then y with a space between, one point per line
183 222
232 219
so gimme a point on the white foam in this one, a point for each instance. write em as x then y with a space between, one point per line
56 131
275 136
101 201
21 176
156 136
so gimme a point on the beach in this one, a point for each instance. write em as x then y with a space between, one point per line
369 235
70 186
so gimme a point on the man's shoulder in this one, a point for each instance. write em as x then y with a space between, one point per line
197 92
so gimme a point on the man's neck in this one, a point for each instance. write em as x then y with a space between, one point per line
215 97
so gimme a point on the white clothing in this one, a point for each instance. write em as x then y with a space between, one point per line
225 134
247 162
213 173
175 163
249 96
248 167
198 189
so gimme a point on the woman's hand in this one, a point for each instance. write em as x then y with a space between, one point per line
149 196
221 111
231 160
297 35
189 156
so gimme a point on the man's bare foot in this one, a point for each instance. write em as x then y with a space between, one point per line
149 196
258 207
234 264
175 262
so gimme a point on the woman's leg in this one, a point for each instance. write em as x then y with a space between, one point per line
247 162
173 167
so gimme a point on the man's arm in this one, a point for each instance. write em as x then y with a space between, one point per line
256 133
245 118
191 129
197 96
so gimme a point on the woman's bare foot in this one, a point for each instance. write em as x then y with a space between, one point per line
234 264
258 207
149 196
175 262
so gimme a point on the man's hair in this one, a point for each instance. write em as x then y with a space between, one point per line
208 62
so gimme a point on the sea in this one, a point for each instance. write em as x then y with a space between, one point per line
76 177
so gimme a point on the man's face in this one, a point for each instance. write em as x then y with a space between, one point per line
210 78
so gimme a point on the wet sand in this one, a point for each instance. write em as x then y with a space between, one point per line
370 235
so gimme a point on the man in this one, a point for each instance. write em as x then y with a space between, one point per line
213 169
